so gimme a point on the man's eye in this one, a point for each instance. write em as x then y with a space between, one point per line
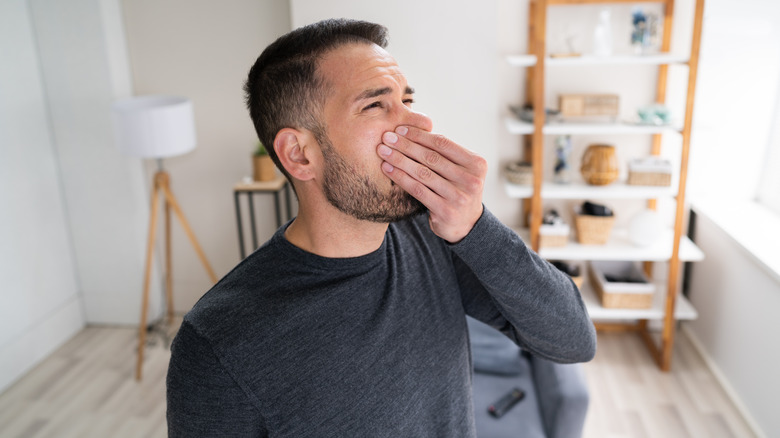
408 102
373 105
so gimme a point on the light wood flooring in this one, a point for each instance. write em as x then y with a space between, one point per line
86 389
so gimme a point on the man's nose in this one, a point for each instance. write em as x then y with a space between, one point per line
417 119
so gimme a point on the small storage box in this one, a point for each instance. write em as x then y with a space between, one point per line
650 171
576 105
553 235
635 292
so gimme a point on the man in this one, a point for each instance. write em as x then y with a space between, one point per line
350 320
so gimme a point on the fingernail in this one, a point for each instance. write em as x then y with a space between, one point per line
384 150
387 167
390 138
402 130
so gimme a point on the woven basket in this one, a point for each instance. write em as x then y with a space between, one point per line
593 230
617 300
649 179
519 173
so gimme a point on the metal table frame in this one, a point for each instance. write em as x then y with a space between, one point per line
260 187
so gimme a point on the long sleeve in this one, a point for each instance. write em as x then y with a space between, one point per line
203 399
506 285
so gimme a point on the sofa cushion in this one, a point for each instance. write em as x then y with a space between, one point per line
492 352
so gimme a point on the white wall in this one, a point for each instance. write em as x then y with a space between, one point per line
737 327
84 65
735 294
40 304
203 50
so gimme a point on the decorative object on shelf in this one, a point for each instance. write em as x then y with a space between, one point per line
599 165
526 113
602 35
562 152
262 164
519 172
621 285
571 270
578 105
656 114
650 171
644 32
593 223
645 227
554 232
571 50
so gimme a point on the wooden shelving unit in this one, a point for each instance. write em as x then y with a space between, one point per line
669 306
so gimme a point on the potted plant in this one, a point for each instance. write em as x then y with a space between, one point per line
263 165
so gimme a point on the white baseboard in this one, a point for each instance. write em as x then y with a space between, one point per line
724 382
23 353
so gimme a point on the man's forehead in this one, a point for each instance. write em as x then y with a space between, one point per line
356 64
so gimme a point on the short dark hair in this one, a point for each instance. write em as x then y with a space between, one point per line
283 89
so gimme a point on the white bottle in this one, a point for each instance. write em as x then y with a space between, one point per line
602 35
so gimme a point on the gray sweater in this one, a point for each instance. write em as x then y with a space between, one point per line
291 344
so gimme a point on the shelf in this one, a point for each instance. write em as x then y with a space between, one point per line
620 248
655 59
617 190
683 308
516 126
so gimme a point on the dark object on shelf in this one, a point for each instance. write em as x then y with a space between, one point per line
592 209
526 112
570 270
552 218
623 279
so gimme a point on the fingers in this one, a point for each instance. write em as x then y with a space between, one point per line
444 146
421 160
445 177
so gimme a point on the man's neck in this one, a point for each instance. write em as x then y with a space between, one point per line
328 232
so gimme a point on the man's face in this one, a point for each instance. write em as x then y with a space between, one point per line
367 95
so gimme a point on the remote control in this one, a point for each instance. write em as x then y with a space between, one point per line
506 402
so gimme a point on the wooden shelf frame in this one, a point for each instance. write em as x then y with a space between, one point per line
536 63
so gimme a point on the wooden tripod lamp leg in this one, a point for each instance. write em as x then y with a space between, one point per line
172 201
168 263
147 279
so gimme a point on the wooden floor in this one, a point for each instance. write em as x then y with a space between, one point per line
86 389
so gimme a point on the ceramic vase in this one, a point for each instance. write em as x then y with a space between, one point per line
599 164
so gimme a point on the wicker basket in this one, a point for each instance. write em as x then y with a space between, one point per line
649 179
621 295
593 230
519 173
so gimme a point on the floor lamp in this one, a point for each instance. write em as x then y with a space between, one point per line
158 127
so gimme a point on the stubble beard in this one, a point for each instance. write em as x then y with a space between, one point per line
355 194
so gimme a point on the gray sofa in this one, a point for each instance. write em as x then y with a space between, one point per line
556 396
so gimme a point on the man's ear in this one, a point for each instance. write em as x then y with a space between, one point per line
296 150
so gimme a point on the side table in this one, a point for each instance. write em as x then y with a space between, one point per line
260 187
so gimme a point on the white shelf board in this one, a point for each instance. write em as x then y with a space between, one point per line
683 309
654 59
616 190
520 127
620 248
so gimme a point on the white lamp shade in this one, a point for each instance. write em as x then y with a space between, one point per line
154 126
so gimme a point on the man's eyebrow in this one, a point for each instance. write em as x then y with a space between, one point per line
376 92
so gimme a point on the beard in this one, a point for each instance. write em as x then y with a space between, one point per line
357 195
